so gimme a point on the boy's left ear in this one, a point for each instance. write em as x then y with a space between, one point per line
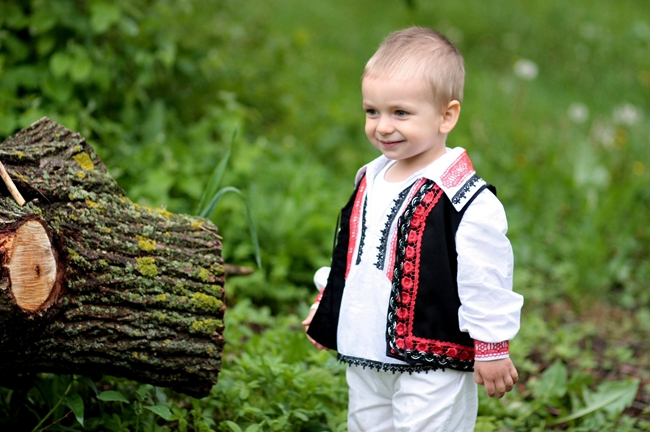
450 117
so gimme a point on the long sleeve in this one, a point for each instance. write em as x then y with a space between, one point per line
490 310
320 280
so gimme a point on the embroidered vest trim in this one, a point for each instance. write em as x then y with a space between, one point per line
408 283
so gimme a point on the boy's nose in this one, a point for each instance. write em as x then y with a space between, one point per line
385 126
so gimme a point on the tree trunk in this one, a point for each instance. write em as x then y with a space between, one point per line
91 282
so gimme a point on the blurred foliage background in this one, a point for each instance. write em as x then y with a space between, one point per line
555 115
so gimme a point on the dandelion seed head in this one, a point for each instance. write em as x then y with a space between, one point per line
526 69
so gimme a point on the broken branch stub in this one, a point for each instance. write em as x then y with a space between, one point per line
11 186
93 283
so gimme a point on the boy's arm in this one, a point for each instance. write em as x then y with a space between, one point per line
320 280
307 322
489 310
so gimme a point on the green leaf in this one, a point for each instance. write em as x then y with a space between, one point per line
153 128
128 26
141 393
612 397
214 202
215 179
41 21
76 404
60 64
103 15
112 396
300 415
234 427
57 90
626 389
81 66
44 45
161 410
13 16
553 383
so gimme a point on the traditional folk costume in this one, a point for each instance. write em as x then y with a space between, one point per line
421 280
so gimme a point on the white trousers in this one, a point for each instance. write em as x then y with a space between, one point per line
436 401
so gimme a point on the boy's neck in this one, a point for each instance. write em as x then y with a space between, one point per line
405 168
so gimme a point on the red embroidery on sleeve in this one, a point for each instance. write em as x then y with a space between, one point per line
319 297
491 350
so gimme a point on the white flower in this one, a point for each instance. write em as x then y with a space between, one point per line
604 134
526 69
626 114
578 112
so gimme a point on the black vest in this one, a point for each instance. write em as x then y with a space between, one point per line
422 326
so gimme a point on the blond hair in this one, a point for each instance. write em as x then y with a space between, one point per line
421 53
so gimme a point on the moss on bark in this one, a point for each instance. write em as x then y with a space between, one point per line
141 288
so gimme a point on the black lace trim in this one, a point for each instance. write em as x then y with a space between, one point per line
469 184
383 242
402 242
362 240
387 367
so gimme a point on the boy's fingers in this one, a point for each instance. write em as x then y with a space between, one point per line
489 388
478 378
514 374
310 317
501 389
316 344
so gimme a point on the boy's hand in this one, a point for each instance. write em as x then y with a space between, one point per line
306 323
498 376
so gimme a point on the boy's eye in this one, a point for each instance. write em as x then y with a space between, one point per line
400 113
371 111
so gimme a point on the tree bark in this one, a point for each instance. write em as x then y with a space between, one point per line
91 282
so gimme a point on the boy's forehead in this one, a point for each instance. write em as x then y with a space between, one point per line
394 84
395 90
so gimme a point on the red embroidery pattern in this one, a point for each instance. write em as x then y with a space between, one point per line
410 269
457 172
401 335
319 297
391 254
355 219
489 350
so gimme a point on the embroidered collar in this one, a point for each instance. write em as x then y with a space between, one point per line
453 173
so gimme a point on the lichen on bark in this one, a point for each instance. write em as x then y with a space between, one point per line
141 288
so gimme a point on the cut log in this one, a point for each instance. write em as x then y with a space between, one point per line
31 265
92 283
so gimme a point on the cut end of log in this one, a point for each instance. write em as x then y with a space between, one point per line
32 266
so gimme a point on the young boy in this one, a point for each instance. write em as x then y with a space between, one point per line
420 288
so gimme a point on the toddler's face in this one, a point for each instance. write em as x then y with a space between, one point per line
402 121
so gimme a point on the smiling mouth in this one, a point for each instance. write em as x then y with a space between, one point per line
390 143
